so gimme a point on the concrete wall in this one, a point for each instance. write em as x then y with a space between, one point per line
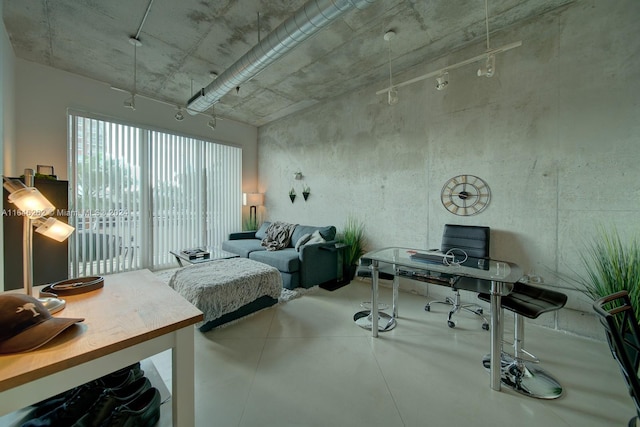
554 133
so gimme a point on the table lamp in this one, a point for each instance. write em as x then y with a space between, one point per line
252 200
35 209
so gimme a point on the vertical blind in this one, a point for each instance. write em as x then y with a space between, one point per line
137 194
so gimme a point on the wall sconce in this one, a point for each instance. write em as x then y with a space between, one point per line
252 200
35 209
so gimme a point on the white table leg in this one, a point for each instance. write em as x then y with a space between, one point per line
183 378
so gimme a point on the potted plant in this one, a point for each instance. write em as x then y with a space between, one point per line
610 266
353 235
306 190
292 194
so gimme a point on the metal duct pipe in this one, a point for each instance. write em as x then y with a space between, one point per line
307 21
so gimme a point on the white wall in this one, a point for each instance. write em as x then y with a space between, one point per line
555 133
43 95
7 122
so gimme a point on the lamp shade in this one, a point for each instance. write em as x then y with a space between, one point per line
252 199
31 202
53 228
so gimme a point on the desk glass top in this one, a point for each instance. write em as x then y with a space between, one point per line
486 269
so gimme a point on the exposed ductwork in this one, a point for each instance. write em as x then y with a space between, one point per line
307 21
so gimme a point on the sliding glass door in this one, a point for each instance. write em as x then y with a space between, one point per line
138 193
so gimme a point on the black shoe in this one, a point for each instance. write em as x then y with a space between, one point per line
119 378
109 400
143 411
80 400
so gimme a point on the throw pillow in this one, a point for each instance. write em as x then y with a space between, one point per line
316 237
302 241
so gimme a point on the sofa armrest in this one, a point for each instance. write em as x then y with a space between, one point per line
317 264
242 235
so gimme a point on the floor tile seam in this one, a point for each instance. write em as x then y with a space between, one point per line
386 382
255 373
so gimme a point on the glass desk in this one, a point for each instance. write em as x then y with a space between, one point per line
499 277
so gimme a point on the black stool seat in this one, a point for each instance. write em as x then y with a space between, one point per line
530 301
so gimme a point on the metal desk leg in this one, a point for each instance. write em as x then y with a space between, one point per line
496 334
374 298
396 286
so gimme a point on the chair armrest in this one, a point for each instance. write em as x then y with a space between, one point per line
242 235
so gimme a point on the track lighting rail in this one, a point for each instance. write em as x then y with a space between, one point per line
438 72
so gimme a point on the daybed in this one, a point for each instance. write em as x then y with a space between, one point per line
300 264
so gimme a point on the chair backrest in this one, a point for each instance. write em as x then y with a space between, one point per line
472 239
623 335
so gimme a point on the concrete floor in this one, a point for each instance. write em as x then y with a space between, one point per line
305 363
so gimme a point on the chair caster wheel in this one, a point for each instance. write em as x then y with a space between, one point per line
427 307
485 326
451 323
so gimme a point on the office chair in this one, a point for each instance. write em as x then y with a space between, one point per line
474 241
623 335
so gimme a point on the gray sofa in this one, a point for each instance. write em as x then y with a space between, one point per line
309 265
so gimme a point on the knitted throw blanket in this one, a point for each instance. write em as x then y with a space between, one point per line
278 235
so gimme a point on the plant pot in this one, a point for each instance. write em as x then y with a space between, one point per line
306 196
352 271
292 197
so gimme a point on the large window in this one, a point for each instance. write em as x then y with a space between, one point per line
138 193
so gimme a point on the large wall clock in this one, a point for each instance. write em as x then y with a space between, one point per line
465 195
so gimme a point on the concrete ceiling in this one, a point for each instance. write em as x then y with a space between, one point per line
183 41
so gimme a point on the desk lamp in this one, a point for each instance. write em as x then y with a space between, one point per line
35 209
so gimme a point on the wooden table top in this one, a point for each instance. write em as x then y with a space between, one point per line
131 308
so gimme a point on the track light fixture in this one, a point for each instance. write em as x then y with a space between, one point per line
179 116
489 67
442 81
392 93
486 70
130 102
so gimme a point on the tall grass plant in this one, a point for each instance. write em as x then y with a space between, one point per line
610 266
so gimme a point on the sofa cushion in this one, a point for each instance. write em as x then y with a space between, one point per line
242 247
285 260
262 231
328 233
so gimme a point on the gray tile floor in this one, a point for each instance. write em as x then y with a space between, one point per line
305 363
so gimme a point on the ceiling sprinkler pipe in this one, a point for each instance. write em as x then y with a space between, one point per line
304 23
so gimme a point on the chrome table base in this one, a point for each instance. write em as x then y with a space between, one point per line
364 320
526 378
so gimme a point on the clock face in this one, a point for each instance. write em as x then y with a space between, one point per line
465 195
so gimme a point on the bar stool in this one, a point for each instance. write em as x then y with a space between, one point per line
520 371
